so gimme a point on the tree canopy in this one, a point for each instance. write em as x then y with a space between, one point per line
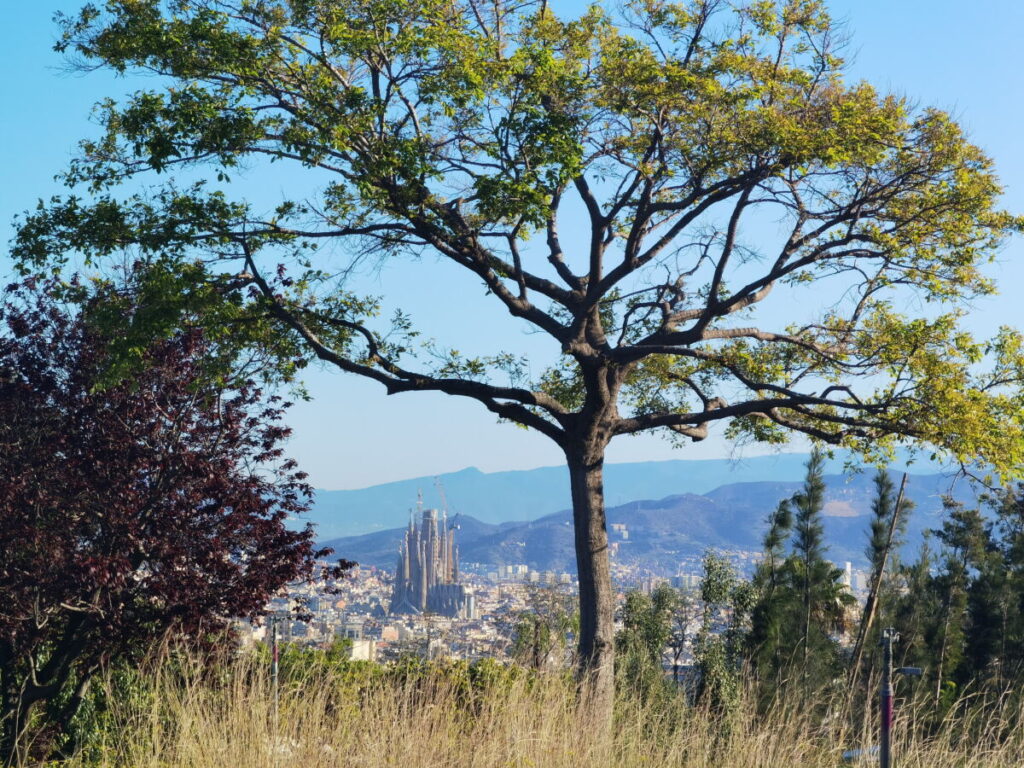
707 221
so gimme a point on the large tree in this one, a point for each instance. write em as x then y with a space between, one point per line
708 223
128 512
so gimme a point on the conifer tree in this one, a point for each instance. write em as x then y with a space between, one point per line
808 541
1010 525
883 507
774 601
885 537
960 615
964 537
823 598
916 609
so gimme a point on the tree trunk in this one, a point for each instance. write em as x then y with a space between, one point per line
596 662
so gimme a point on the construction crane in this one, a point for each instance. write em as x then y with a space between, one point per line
444 499
440 492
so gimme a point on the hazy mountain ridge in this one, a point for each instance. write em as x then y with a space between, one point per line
662 532
500 497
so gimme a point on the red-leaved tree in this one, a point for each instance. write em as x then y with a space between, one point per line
129 511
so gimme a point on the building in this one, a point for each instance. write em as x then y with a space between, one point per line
363 650
426 579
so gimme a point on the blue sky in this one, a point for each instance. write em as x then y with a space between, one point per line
966 58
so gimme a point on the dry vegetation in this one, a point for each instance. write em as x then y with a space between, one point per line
344 717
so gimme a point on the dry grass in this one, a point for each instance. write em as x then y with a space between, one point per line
435 721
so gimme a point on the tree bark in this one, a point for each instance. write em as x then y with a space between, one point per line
596 647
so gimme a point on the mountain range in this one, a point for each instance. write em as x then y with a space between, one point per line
501 497
663 532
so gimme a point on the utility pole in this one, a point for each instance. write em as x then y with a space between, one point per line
889 636
885 695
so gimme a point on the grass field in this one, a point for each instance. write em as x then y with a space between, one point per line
356 718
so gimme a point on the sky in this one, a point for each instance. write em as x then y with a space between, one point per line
965 58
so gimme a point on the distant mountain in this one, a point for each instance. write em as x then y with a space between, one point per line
499 497
662 533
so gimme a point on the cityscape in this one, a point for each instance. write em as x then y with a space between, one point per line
433 606
519 384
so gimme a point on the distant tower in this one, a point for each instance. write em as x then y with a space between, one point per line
428 568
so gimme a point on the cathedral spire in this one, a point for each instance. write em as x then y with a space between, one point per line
428 565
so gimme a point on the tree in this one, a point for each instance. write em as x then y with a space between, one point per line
684 614
917 609
474 132
965 537
156 506
801 601
539 635
889 517
1009 576
726 603
646 632
813 571
961 615
823 599
771 617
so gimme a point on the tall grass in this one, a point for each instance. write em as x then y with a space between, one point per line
353 716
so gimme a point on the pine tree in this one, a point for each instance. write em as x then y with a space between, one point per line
964 537
886 536
916 610
801 601
808 542
771 625
882 509
822 596
1010 525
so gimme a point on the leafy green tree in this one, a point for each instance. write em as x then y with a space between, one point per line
645 634
473 132
726 604
683 616
540 633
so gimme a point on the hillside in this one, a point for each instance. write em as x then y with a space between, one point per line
663 532
500 497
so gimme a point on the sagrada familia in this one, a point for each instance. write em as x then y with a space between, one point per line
426 579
